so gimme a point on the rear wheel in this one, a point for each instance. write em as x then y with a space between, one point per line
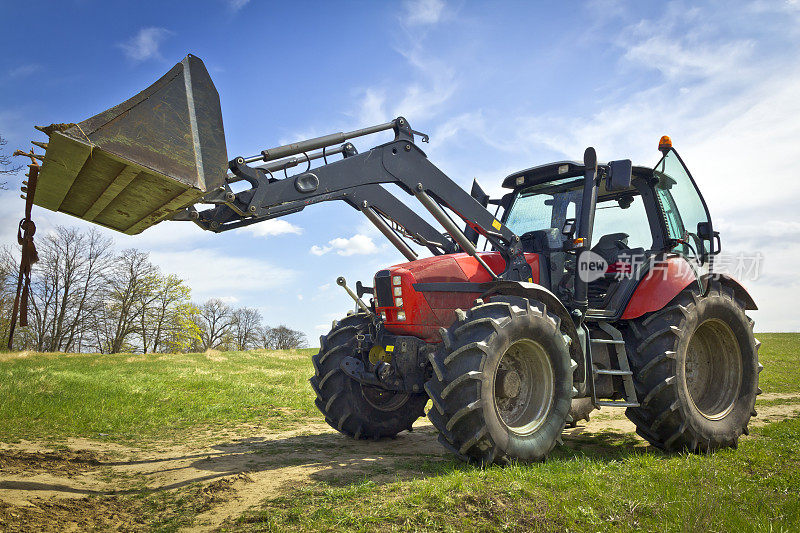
357 410
695 366
502 385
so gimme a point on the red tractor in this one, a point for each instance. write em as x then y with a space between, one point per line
596 286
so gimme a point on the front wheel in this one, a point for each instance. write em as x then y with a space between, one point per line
502 384
357 410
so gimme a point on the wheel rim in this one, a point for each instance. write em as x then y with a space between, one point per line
383 400
524 385
713 369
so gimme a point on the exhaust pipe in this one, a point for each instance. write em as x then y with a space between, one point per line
137 163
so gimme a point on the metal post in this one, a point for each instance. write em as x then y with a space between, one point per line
451 228
384 228
340 281
588 203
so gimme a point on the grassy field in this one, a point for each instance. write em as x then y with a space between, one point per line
135 398
599 481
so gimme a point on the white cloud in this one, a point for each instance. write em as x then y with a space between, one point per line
236 5
435 84
230 300
675 60
272 227
356 245
423 12
372 109
213 273
23 71
145 44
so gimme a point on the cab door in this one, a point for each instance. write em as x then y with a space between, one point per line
688 222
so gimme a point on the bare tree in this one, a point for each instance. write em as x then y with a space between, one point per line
264 337
8 281
284 338
67 286
215 320
83 297
245 326
6 166
133 280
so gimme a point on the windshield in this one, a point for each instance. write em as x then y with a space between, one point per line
547 205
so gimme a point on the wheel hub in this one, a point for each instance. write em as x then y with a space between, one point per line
524 387
713 369
508 384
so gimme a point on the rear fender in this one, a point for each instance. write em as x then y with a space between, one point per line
738 289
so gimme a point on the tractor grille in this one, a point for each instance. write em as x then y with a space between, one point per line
383 289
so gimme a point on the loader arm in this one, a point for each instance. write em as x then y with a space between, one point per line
358 180
223 218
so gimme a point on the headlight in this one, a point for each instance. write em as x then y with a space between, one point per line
398 302
401 315
395 280
398 291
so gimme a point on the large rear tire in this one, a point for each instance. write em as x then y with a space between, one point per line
695 367
357 410
502 384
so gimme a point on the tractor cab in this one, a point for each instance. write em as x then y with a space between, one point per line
659 212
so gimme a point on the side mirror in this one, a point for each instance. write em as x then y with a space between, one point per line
707 233
619 175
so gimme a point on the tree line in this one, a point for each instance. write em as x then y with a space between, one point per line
87 297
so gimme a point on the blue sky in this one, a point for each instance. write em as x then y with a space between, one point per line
499 86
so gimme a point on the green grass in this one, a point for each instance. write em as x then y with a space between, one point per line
609 486
595 483
134 397
780 355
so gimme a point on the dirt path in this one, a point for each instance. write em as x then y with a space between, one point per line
85 484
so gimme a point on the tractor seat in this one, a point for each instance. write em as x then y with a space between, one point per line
609 246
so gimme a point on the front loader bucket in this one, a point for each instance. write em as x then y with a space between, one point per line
135 164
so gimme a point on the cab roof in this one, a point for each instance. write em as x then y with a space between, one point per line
557 170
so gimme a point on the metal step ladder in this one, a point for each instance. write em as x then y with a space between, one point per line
624 371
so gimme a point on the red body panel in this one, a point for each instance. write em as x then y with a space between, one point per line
427 312
663 283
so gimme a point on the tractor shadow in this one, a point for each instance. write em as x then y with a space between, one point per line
284 464
335 460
